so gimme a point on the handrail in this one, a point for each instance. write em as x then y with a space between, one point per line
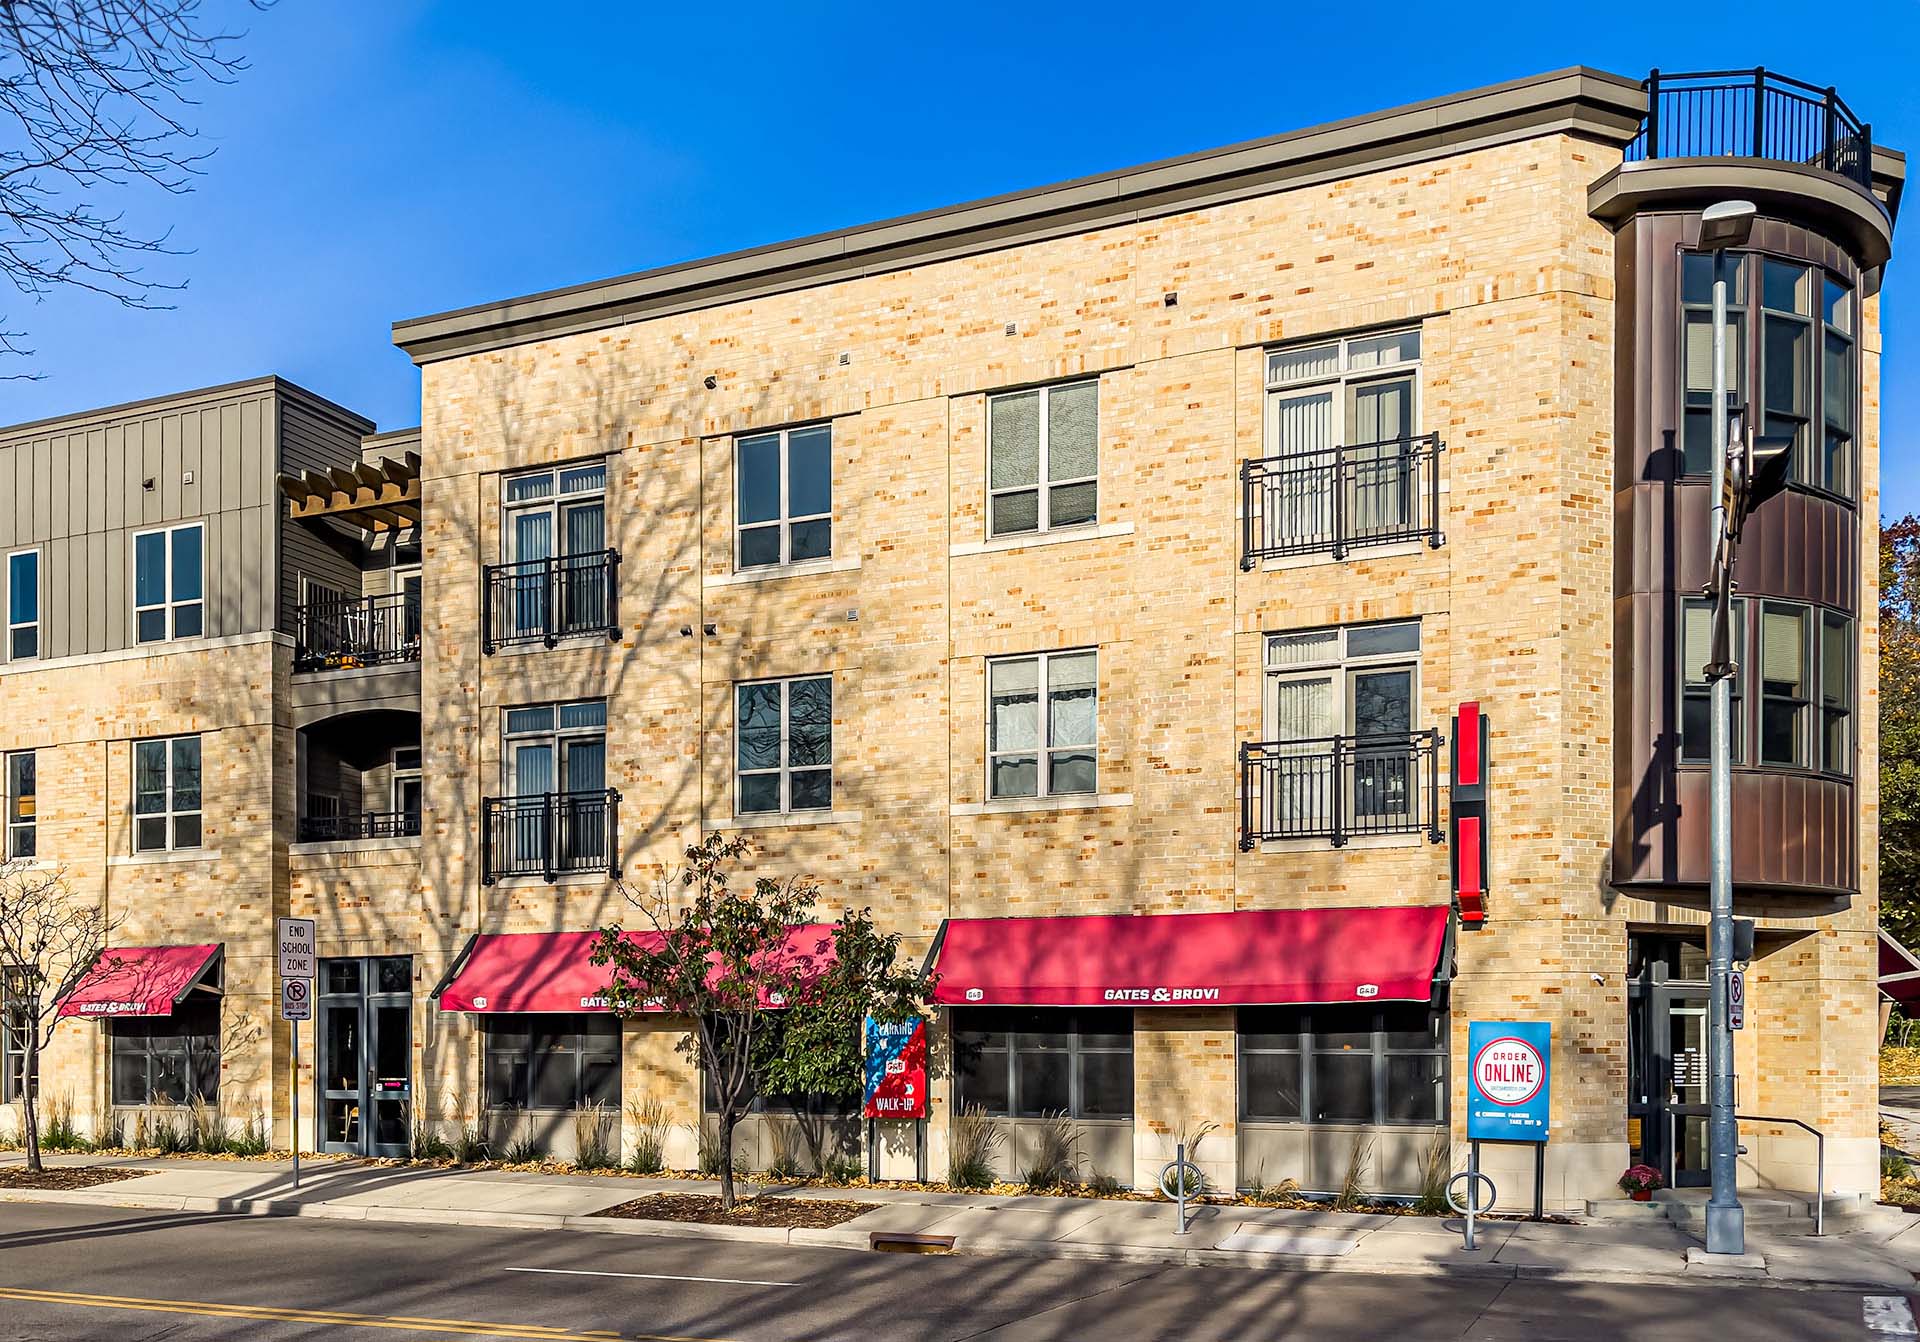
1335 499
1819 1164
341 632
546 600
550 833
1754 113
1336 787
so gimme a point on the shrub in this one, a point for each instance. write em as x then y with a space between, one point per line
207 1130
252 1140
1056 1153
1104 1185
843 1169
976 1140
651 1126
785 1163
1894 1165
1353 1184
1191 1135
166 1130
428 1144
60 1133
523 1150
596 1138
472 1145
1285 1190
112 1135
1435 1169
1638 1178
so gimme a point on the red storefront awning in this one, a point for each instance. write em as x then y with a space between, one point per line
140 980
554 971
1250 957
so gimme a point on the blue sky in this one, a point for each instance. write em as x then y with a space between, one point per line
390 158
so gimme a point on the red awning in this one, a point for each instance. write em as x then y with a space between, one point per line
140 980
553 971
1249 957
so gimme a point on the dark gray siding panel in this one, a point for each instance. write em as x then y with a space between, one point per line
312 438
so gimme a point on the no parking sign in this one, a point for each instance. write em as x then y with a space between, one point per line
1509 1076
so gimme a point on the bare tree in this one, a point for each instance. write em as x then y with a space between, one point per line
50 938
95 95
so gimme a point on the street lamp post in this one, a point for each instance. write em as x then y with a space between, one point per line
1721 226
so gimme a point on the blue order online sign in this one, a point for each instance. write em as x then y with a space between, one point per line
1509 1080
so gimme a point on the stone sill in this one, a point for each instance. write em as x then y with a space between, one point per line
1015 805
775 572
1028 539
1398 550
787 820
163 858
563 878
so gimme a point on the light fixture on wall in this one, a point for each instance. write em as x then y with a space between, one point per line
710 382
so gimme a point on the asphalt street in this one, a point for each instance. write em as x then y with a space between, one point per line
70 1273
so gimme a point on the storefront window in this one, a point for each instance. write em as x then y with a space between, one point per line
551 1061
1344 1064
1027 1063
167 1059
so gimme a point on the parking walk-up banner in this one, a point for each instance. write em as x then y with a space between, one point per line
896 1072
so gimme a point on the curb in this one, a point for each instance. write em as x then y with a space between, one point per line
974 1247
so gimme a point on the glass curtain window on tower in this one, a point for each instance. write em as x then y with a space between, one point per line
555 536
1360 394
783 745
1801 658
783 496
1043 458
168 586
1043 716
166 794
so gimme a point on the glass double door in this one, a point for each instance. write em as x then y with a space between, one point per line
560 582
364 1071
1667 1089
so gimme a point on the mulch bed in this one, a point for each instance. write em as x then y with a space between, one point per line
81 1176
783 1213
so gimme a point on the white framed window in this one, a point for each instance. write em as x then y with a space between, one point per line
1043 715
166 793
168 583
23 605
1344 415
1043 458
406 781
1340 707
22 783
783 496
783 745
556 748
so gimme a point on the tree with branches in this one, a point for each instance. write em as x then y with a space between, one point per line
774 1010
1900 728
96 96
50 938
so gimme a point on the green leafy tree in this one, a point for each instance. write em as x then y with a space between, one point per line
1900 728
770 1014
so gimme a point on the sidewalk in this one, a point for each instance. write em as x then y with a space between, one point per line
1887 1254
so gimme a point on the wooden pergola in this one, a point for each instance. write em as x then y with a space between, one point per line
382 496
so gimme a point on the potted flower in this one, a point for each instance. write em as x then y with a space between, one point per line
1639 1182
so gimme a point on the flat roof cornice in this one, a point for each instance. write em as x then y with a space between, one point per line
181 400
1586 102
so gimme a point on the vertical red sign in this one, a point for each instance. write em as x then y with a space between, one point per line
1467 808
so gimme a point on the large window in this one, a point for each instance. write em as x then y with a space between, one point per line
1696 691
168 590
1043 720
552 1061
783 496
1802 325
1360 394
23 604
555 542
1029 1063
1359 684
166 793
22 786
1043 458
1836 693
1786 684
556 748
783 747
14 1025
1344 1064
167 1059
1802 661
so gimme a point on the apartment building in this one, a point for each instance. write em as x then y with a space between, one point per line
1121 587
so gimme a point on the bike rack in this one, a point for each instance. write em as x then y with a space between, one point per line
1183 1173
1473 1207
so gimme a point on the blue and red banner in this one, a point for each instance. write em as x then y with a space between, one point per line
896 1081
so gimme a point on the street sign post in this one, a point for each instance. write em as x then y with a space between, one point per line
1737 1000
294 939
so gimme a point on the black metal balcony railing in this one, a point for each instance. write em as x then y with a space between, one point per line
340 632
1341 498
359 825
1753 114
1337 787
550 834
546 600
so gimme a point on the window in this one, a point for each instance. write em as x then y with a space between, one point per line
555 538
166 794
1785 685
819 1103
1359 684
1696 691
556 813
14 1025
783 750
23 604
557 748
551 1062
167 590
1029 1063
1033 752
1043 458
783 496
1359 394
1344 1064
406 781
22 839
1836 693
167 1059
1807 362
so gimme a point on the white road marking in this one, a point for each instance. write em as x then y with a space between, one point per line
1889 1315
667 1276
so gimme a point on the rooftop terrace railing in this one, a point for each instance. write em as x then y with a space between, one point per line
1753 114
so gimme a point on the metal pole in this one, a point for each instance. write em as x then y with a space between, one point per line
1473 1189
1726 1221
294 1026
1539 1181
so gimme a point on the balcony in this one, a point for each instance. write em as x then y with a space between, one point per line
550 835
1340 499
1753 114
1340 787
546 600
338 632
359 825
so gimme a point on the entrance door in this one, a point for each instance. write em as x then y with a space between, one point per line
1667 1081
365 1031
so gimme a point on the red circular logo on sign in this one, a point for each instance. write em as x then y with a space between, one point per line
1508 1071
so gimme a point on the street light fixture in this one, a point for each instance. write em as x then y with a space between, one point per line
1726 224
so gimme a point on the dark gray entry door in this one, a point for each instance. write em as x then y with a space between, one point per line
364 1024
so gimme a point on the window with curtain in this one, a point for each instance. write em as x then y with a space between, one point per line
558 515
22 784
1027 1063
1357 682
168 584
783 496
1356 1065
1696 691
550 1062
1043 724
166 794
1785 684
1359 393
556 751
1043 458
23 605
783 745
1836 693
167 1059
